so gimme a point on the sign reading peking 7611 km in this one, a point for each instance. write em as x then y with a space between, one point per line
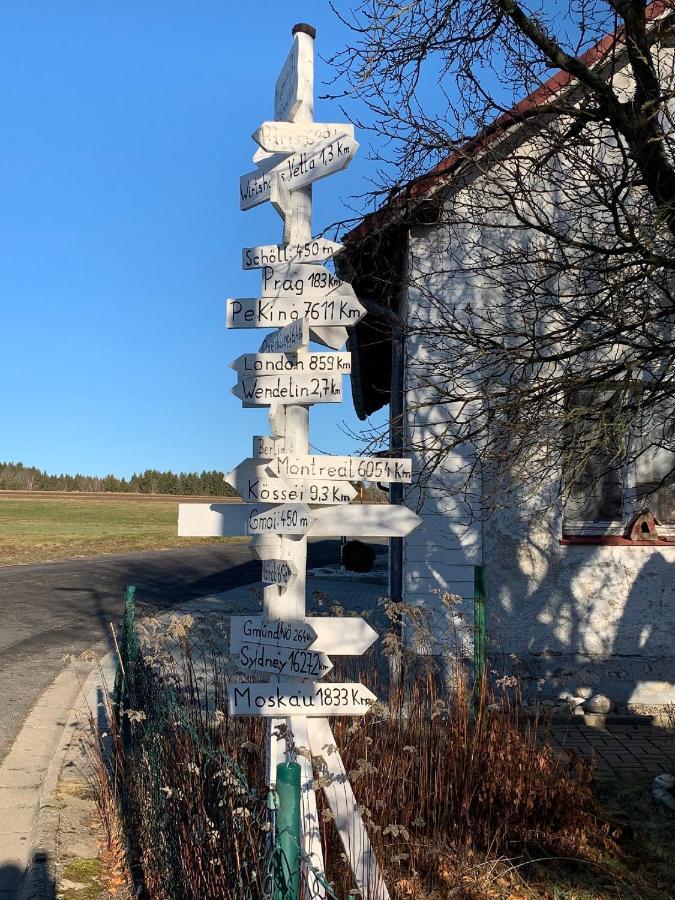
261 313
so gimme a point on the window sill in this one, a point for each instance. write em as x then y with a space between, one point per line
614 540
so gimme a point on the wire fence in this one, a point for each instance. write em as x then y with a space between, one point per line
187 779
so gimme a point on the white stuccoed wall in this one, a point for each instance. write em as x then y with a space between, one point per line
595 617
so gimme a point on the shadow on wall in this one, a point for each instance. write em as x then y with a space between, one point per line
596 618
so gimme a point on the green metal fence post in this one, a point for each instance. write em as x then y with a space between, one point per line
478 633
287 858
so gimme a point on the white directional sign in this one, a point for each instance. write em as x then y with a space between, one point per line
364 520
212 519
277 490
254 312
302 280
354 519
267 446
289 137
287 519
278 633
302 361
260 659
298 170
334 336
349 468
295 84
299 699
343 635
248 470
316 251
278 571
303 387
271 546
286 339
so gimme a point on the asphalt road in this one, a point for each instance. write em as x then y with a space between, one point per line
51 609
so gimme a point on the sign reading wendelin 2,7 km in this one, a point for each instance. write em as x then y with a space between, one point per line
289 494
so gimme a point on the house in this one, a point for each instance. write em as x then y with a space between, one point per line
580 593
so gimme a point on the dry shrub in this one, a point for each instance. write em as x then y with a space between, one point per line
445 793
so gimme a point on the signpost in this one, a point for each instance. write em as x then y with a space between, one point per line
290 494
252 312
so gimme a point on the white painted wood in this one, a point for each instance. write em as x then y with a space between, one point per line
248 470
311 832
364 520
302 280
259 659
273 546
306 698
350 468
280 198
298 361
254 312
289 137
277 420
334 336
342 803
267 161
290 337
291 518
212 519
284 633
303 387
298 170
341 635
278 571
295 84
317 250
266 446
276 748
278 490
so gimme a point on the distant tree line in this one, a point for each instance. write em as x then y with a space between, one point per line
17 477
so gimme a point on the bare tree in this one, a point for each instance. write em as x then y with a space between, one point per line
541 324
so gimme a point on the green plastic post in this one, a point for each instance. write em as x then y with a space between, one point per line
478 633
287 859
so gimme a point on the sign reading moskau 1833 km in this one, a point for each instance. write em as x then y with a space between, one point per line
304 699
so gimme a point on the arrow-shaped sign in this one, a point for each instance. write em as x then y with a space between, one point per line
298 361
279 633
291 518
278 571
253 312
364 520
356 520
276 490
287 339
299 699
298 170
300 388
344 468
289 137
248 470
316 251
342 635
302 280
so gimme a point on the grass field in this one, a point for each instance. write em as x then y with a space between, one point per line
36 527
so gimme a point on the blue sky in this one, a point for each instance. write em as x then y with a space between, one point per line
125 129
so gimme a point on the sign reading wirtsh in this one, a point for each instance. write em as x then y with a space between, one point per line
304 699
253 312
299 170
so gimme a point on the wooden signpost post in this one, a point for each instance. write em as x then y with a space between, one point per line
291 495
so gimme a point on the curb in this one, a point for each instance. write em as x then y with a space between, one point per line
38 882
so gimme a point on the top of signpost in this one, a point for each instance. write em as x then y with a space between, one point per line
305 29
